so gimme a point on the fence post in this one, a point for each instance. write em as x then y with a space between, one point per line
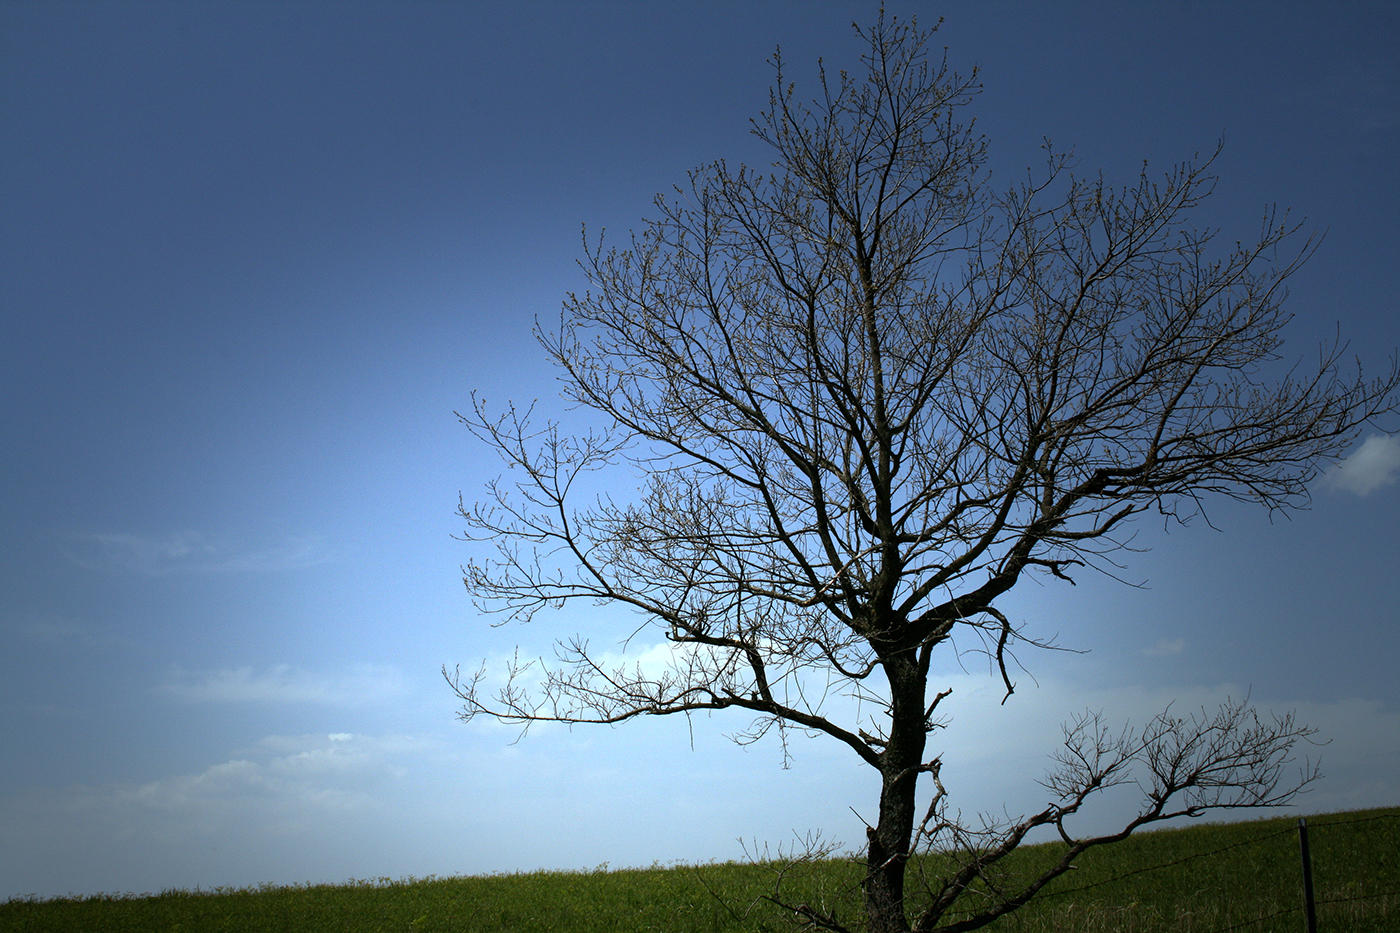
1308 905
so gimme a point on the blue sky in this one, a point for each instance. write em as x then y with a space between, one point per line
255 256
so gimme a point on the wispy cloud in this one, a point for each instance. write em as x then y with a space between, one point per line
58 632
1165 648
283 683
191 552
341 804
1374 464
991 748
288 808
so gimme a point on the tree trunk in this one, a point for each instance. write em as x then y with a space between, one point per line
888 850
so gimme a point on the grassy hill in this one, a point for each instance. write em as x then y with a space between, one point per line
1198 879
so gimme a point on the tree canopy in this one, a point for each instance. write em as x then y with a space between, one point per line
868 394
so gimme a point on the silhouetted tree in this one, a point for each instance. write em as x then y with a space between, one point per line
868 396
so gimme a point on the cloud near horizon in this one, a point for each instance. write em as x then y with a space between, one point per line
333 805
286 799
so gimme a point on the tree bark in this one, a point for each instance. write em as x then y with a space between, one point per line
888 851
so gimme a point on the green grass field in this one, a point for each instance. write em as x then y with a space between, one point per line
1203 878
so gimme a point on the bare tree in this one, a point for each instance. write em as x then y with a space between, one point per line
866 395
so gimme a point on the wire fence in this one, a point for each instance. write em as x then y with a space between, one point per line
1336 890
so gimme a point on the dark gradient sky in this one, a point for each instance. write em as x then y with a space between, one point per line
256 254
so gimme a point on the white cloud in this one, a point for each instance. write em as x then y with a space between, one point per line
282 683
191 552
1374 464
652 660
